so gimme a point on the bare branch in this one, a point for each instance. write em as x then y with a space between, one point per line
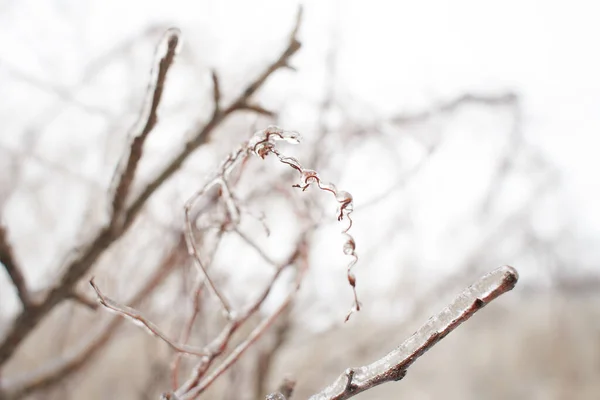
256 333
135 152
220 343
258 109
84 300
394 365
187 331
55 371
203 135
193 251
31 317
216 93
452 105
7 258
267 356
139 319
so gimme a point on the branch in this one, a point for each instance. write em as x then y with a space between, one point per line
135 152
189 393
394 365
216 93
7 258
454 104
139 319
31 317
203 134
55 371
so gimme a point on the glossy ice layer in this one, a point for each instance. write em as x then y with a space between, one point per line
466 304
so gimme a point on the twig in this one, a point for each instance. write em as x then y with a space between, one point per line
267 355
7 258
454 104
138 319
55 371
198 289
254 335
216 93
84 300
394 365
125 180
193 252
220 343
31 317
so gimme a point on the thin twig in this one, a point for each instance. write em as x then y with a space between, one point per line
454 104
220 343
187 331
138 319
193 252
55 371
125 180
31 317
256 333
13 269
216 93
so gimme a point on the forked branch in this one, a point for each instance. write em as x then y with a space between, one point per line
52 372
7 258
123 215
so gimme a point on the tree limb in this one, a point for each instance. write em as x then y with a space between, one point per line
32 316
393 366
135 152
55 371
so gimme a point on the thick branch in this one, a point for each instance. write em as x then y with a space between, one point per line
394 365
7 258
32 316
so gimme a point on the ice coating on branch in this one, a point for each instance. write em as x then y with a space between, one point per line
394 365
263 143
276 396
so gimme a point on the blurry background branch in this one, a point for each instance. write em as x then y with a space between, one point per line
7 258
31 316
53 372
